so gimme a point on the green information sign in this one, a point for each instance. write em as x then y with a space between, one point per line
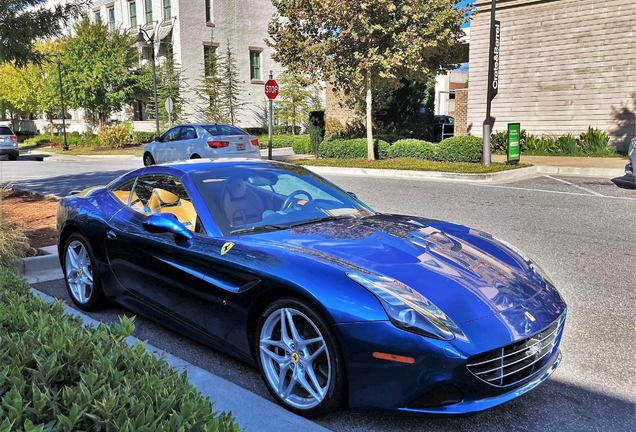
514 147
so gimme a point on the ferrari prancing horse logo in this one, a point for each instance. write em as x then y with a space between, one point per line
295 357
226 247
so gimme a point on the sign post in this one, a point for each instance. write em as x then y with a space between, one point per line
514 145
169 107
493 79
271 91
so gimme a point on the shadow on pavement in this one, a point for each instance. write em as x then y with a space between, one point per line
63 185
625 182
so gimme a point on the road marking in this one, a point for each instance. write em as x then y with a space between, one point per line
576 186
554 192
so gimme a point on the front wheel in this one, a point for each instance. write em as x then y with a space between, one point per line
300 359
148 159
79 273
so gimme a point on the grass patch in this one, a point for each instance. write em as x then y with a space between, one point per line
87 151
411 164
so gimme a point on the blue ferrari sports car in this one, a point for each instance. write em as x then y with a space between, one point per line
335 303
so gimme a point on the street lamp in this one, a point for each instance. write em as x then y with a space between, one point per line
59 76
141 41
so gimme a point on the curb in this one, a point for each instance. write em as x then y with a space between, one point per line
515 174
41 268
247 407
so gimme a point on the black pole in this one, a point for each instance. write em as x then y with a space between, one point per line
485 157
59 76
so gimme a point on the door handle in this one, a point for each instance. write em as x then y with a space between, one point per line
111 234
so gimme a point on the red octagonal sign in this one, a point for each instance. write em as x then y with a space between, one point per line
271 89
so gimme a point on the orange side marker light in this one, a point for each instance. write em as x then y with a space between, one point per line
393 357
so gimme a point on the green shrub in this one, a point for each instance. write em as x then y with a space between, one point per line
390 138
256 130
352 148
499 142
300 142
58 375
412 148
13 242
568 144
143 137
464 148
594 142
114 137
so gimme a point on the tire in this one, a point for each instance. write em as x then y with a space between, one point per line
79 268
13 157
195 156
148 159
314 376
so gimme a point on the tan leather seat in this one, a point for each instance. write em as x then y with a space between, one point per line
160 198
240 204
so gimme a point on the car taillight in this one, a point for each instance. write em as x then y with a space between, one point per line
254 142
218 144
13 138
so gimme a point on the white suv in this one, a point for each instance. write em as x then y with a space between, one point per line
8 143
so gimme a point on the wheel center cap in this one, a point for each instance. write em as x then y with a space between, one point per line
80 272
295 357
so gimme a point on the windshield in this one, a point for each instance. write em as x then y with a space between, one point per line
251 198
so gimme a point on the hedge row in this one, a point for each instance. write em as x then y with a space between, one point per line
455 149
594 142
115 137
300 143
58 375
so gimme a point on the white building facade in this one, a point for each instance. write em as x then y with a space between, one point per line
193 28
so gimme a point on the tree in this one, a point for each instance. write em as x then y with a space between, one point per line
24 22
210 91
231 87
367 43
97 67
294 99
168 86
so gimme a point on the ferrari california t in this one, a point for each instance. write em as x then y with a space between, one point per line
335 303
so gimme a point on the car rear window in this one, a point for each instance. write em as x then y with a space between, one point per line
5 131
224 130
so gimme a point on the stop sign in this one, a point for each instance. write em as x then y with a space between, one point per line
271 89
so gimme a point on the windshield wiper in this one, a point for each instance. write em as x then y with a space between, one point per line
323 219
260 228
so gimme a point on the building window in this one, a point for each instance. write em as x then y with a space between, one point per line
148 12
111 18
166 10
208 52
132 8
208 11
69 26
255 65
97 16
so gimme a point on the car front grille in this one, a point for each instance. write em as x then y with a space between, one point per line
515 362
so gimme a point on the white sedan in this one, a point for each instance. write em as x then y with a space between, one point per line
201 140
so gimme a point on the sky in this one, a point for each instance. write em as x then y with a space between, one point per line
462 4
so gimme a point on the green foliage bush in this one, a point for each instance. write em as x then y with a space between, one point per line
256 130
114 137
143 137
594 142
464 148
316 129
390 138
568 145
352 148
57 375
301 143
412 148
13 242
73 140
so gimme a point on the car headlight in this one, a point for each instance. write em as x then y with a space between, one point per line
533 266
408 309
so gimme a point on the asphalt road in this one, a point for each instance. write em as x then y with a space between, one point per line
580 230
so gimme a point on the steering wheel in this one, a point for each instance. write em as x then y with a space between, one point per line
291 196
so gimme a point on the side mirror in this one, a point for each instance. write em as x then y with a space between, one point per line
352 195
167 222
157 138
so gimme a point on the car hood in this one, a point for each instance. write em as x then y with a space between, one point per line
466 273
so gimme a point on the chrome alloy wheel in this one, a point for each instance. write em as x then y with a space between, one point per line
79 272
295 358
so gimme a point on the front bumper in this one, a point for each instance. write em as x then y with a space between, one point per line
436 382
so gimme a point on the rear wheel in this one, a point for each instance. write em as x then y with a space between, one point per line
195 156
13 157
79 273
300 359
148 159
